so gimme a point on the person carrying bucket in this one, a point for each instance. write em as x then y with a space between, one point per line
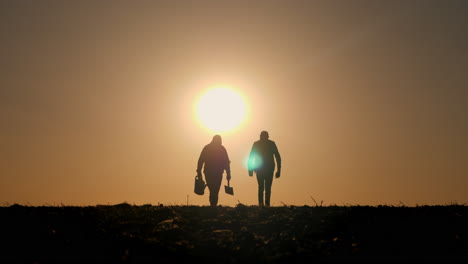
214 160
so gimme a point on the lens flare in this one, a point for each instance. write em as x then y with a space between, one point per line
254 161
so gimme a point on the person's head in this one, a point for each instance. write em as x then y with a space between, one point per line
264 135
217 140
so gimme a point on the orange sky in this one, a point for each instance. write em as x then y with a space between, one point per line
366 100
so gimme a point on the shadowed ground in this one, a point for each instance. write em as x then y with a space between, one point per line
135 234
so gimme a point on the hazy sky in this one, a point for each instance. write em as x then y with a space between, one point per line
366 100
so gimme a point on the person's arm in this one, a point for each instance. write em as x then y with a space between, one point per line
201 160
278 160
227 165
251 160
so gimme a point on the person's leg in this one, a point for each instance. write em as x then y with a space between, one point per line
213 181
261 187
268 184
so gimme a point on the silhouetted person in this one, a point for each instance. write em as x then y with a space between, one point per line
215 158
261 160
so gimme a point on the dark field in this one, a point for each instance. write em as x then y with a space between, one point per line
178 234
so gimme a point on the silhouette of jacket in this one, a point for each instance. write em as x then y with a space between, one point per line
262 156
215 158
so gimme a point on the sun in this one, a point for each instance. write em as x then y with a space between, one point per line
221 110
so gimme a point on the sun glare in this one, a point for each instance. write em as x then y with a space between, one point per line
221 110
